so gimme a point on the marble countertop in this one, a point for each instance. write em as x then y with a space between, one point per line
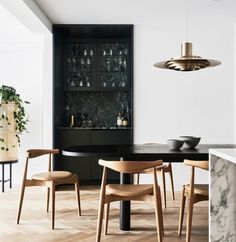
227 154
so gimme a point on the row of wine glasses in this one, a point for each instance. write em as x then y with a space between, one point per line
80 50
87 50
114 64
75 64
78 80
113 81
114 49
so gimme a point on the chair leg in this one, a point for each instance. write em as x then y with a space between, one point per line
78 194
161 213
158 214
138 176
3 178
172 182
189 218
181 211
52 190
48 198
107 218
164 186
21 202
100 218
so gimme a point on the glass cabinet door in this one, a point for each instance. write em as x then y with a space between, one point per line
113 65
80 66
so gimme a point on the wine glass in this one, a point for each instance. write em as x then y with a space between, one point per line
108 65
125 51
73 64
123 82
81 83
68 80
67 108
87 82
82 61
125 65
69 67
72 83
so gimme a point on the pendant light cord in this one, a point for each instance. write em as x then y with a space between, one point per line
187 19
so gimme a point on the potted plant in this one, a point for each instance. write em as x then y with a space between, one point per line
13 122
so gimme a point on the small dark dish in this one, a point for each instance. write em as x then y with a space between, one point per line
175 144
190 142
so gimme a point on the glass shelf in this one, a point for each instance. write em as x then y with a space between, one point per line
99 89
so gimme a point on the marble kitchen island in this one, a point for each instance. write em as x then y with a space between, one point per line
223 195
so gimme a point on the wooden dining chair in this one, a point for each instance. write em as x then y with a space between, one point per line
167 169
195 193
49 179
126 192
162 172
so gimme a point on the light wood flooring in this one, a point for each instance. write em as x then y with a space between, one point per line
35 224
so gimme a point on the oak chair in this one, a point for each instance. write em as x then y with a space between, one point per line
49 179
162 172
195 193
126 192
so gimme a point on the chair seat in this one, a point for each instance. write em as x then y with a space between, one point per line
53 176
127 190
201 189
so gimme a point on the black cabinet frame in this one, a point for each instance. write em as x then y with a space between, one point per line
63 136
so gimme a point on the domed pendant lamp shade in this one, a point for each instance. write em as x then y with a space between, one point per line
187 61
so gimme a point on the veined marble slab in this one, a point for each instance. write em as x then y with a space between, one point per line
223 195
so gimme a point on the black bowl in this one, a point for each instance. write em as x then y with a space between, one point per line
190 142
175 144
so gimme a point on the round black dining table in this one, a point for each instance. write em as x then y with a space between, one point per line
140 152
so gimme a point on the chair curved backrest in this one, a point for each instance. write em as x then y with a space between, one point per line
130 166
32 153
199 164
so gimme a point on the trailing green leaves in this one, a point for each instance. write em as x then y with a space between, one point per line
8 94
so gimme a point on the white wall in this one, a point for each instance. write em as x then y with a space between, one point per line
26 64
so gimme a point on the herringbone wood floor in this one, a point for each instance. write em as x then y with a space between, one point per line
35 223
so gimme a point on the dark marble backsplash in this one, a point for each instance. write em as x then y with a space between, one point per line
98 109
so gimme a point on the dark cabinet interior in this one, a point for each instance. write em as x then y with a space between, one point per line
93 83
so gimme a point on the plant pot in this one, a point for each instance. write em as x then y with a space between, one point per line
8 147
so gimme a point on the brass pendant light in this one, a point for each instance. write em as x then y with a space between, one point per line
187 61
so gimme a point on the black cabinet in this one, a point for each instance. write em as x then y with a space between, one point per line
101 137
93 81
79 165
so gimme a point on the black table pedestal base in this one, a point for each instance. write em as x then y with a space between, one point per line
124 205
125 215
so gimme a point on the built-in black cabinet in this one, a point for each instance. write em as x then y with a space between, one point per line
93 81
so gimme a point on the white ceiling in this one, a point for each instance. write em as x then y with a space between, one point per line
134 11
